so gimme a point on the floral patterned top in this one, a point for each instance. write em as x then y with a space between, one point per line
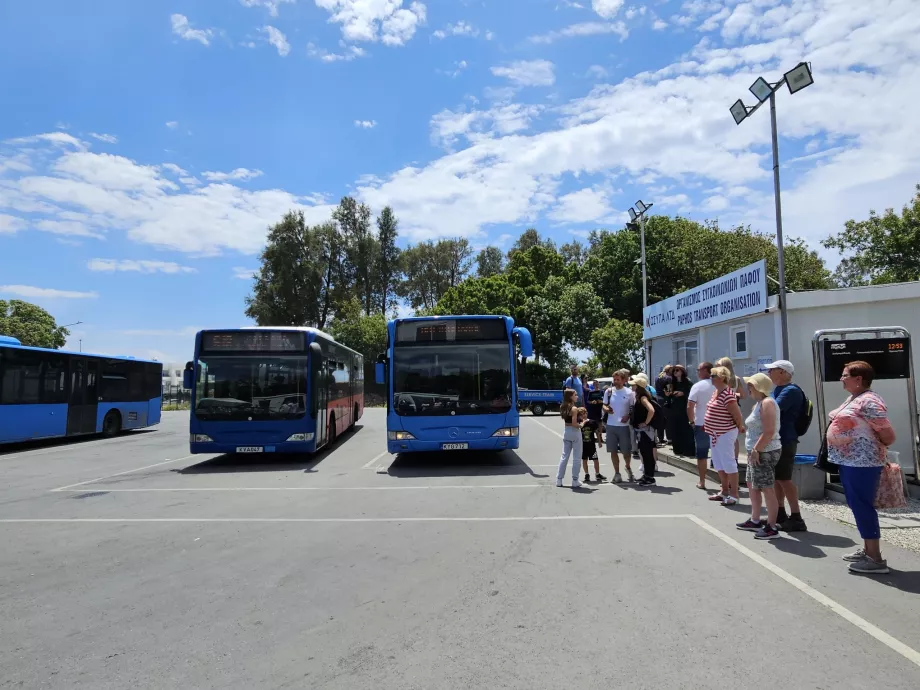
852 438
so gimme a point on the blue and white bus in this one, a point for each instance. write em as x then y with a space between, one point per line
51 393
272 390
451 382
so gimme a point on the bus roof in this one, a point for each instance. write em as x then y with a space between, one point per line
458 316
12 343
302 329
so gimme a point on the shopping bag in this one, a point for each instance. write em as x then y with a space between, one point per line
890 488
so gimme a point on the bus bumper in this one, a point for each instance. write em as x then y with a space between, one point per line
495 444
273 449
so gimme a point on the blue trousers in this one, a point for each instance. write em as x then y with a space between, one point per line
861 485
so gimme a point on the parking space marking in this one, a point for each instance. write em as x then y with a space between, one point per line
119 474
370 464
529 518
892 643
552 431
307 488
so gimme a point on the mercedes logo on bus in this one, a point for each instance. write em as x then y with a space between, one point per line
453 432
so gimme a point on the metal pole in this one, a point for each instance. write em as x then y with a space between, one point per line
779 230
648 362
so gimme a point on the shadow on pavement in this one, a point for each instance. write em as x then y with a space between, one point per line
904 580
11 448
816 539
460 464
266 462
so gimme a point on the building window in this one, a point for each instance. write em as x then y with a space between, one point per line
687 352
739 344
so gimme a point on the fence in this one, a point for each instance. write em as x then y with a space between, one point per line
176 396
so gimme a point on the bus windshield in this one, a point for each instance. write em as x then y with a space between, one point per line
259 388
460 378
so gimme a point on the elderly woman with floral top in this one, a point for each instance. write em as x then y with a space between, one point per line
857 440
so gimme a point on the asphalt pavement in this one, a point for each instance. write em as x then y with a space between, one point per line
126 563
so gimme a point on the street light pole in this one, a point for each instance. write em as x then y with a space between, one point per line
643 210
780 252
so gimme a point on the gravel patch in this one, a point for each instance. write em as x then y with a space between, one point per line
905 538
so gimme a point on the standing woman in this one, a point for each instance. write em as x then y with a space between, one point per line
642 419
737 388
723 422
663 395
763 448
571 439
679 431
857 440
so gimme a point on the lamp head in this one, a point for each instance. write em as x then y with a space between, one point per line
738 111
799 77
632 214
761 89
641 206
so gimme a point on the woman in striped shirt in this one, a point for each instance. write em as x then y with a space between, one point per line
723 422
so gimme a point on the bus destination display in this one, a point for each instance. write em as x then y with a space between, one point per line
450 330
253 341
890 357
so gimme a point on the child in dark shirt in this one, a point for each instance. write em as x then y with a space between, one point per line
590 432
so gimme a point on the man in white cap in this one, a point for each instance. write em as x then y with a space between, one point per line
790 399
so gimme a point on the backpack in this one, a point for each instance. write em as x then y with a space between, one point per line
806 413
659 423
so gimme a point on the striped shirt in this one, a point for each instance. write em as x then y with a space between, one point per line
718 419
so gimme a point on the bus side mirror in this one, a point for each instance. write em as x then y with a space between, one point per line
188 376
524 340
380 372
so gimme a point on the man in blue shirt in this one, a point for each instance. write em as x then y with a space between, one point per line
790 399
574 383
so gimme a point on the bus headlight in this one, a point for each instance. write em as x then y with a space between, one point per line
508 431
300 437
201 438
400 436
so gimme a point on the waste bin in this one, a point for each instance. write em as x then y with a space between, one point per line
809 481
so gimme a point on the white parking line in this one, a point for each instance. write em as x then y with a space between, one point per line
307 488
529 518
369 465
119 474
552 431
845 613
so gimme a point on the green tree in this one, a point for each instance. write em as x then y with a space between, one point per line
531 268
366 334
360 247
387 270
618 345
530 238
31 325
489 262
881 249
431 269
573 252
490 295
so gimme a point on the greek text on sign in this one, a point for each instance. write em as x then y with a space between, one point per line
740 293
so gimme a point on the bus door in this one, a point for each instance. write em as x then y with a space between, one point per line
83 401
319 392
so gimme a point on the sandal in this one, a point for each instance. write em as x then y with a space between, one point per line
717 497
729 501
700 486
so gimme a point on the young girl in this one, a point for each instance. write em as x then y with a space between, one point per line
572 417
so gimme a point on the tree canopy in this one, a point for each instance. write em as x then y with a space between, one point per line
31 325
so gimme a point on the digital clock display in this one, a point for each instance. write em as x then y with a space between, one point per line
252 341
451 330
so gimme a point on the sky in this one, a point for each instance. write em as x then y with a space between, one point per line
145 147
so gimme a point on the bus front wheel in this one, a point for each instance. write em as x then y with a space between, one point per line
538 409
111 425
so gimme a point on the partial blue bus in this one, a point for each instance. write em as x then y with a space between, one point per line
272 390
51 393
451 382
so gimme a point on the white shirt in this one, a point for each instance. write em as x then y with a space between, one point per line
621 402
701 394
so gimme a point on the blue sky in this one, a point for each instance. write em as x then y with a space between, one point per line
147 145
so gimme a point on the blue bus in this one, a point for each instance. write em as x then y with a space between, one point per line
51 393
451 382
271 390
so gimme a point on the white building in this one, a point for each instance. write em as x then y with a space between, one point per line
172 375
752 336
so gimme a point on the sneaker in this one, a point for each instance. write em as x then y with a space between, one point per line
729 501
600 478
856 556
587 477
767 532
781 516
793 525
717 497
635 456
576 484
869 566
751 526
646 481
630 477
617 478
558 482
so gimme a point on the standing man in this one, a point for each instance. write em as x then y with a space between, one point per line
574 383
697 403
618 404
790 399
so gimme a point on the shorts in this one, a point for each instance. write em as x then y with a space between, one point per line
786 461
723 453
761 476
588 451
702 443
619 439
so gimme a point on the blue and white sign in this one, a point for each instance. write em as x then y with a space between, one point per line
740 293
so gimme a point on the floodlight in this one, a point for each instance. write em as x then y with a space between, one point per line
739 111
761 89
798 77
632 214
642 207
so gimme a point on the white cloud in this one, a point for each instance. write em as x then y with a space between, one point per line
448 126
365 124
584 29
243 273
386 21
173 168
54 138
716 203
270 5
635 11
71 228
184 30
606 9
349 54
137 266
107 138
10 224
277 39
29 291
237 174
659 25
457 70
583 206
527 72
461 28
172 124
597 71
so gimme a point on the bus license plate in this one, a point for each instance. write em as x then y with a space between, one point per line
249 449
455 446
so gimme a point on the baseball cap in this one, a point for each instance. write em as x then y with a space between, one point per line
639 380
783 364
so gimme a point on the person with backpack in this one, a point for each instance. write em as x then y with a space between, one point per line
795 417
643 419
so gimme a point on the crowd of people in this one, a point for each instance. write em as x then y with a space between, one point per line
631 418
